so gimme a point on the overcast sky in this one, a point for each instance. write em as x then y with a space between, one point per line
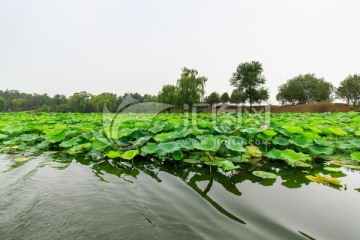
65 46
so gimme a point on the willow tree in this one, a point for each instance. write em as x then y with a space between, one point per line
191 88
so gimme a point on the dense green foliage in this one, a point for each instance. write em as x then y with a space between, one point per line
248 81
224 98
298 140
349 89
304 89
213 98
191 88
2 104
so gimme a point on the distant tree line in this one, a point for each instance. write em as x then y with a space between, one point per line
84 102
247 80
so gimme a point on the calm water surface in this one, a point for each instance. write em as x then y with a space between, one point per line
54 197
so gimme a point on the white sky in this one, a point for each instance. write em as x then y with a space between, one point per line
65 46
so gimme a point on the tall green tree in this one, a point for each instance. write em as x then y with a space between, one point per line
225 97
81 102
213 98
305 89
191 87
237 96
2 104
168 94
108 99
248 79
349 89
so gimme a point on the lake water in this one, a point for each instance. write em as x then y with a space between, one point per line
55 197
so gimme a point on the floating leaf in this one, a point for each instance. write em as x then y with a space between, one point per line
263 174
20 160
327 179
332 169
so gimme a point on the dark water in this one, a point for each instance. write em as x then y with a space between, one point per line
54 197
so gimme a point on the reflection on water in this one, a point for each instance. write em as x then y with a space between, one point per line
54 196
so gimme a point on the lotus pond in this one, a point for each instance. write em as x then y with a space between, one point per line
144 176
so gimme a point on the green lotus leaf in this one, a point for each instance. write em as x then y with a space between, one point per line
208 144
3 136
99 144
124 132
156 128
301 164
311 135
70 143
264 137
290 156
130 154
274 154
113 154
163 137
293 129
323 142
337 132
355 156
22 159
57 138
301 141
178 155
182 133
253 151
149 148
280 141
251 131
355 143
226 165
79 148
141 141
166 148
194 161
28 137
344 145
315 130
317 150
43 145
235 146
268 132
332 169
187 143
264 175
